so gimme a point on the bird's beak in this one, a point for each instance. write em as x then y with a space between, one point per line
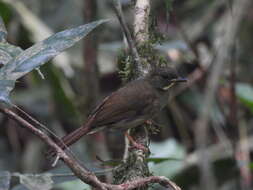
173 81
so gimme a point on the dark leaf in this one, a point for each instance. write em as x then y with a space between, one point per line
159 160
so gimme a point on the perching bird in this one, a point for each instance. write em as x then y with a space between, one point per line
130 106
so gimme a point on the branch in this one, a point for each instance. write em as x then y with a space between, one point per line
80 171
230 29
163 181
141 21
135 166
130 41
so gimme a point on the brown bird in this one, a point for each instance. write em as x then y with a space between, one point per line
130 106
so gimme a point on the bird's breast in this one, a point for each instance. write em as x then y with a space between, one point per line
128 123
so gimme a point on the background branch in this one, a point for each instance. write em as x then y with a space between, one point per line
230 28
130 40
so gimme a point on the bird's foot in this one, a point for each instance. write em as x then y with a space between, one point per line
135 144
139 147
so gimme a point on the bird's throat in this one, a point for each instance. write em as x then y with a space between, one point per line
167 87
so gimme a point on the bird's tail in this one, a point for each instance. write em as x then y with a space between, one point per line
71 138
74 136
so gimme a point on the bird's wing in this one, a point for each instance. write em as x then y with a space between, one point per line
128 102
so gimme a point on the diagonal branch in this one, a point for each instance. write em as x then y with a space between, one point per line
79 170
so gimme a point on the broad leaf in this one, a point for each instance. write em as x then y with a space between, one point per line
8 52
39 54
163 159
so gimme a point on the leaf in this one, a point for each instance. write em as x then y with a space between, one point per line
33 182
8 52
244 92
5 178
166 149
39 54
251 166
3 32
43 51
6 87
158 160
112 163
74 184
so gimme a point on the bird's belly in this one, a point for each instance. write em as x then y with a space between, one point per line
127 124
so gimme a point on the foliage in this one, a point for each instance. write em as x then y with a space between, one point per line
32 58
245 93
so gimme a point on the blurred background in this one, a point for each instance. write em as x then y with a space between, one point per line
190 35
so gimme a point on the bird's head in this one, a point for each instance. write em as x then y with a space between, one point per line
165 77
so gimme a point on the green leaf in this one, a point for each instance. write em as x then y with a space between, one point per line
251 166
168 5
244 92
166 150
39 54
162 159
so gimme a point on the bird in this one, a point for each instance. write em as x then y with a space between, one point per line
138 101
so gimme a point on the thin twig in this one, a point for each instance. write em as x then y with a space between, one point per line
39 124
130 41
163 181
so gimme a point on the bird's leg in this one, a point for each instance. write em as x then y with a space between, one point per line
135 144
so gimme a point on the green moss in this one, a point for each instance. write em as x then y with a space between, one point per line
126 66
155 36
148 56
146 52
